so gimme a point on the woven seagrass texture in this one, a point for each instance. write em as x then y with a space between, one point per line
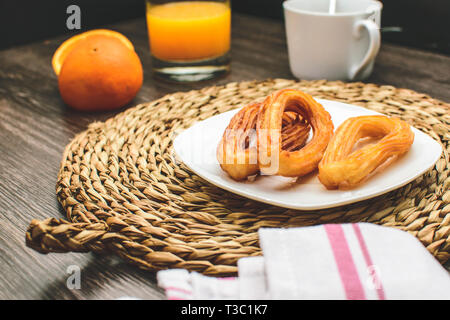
124 191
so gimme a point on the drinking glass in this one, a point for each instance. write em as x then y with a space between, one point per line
189 40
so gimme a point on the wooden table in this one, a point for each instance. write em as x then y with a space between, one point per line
35 126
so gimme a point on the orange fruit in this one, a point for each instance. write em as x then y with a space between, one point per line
63 50
97 71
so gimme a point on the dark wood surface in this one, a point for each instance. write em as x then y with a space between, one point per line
35 126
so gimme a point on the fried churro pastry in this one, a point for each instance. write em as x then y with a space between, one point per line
273 159
341 168
237 150
294 132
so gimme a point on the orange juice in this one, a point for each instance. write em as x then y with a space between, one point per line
190 30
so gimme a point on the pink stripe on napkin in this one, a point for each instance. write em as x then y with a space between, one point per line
376 279
174 298
228 278
173 288
344 261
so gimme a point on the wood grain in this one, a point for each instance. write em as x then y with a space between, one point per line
35 126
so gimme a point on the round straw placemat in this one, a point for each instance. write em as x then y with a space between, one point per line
125 192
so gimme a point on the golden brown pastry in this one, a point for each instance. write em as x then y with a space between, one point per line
273 159
237 151
342 168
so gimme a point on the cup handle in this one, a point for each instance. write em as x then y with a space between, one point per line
374 46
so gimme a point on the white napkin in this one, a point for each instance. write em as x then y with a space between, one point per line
334 261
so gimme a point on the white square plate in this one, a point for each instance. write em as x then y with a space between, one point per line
196 147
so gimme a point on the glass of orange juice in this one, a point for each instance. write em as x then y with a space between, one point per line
189 40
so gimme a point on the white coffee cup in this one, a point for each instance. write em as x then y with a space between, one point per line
339 46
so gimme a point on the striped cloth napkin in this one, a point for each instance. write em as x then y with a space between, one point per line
332 261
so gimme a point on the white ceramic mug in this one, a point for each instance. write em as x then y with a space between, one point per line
339 46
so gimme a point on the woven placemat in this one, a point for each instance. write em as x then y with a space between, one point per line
123 191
